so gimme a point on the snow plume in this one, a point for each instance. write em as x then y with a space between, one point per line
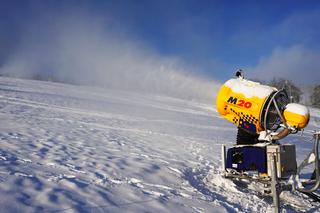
83 49
296 63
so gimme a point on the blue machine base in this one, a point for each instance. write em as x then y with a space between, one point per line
247 158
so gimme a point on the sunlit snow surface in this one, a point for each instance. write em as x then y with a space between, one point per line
78 149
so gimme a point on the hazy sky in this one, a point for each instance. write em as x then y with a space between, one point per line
212 38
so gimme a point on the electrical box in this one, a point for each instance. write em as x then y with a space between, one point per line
258 158
285 159
247 158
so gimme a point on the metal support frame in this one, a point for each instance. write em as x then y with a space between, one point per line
313 154
274 184
272 100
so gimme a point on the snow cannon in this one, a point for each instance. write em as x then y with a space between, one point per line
264 116
256 107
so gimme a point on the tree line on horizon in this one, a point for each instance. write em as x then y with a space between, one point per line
294 92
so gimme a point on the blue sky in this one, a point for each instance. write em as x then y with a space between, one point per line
212 37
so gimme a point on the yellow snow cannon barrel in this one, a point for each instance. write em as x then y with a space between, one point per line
242 102
296 115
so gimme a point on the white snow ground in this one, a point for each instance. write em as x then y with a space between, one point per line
78 149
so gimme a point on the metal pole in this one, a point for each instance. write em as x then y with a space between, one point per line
274 185
223 158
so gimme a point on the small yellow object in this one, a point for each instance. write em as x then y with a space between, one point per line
263 174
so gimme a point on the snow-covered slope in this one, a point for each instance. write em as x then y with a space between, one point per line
77 149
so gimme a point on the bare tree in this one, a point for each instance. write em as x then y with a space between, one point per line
293 91
315 96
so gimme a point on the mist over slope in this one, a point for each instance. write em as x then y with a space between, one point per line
80 48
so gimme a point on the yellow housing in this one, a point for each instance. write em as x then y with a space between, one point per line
241 102
296 115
